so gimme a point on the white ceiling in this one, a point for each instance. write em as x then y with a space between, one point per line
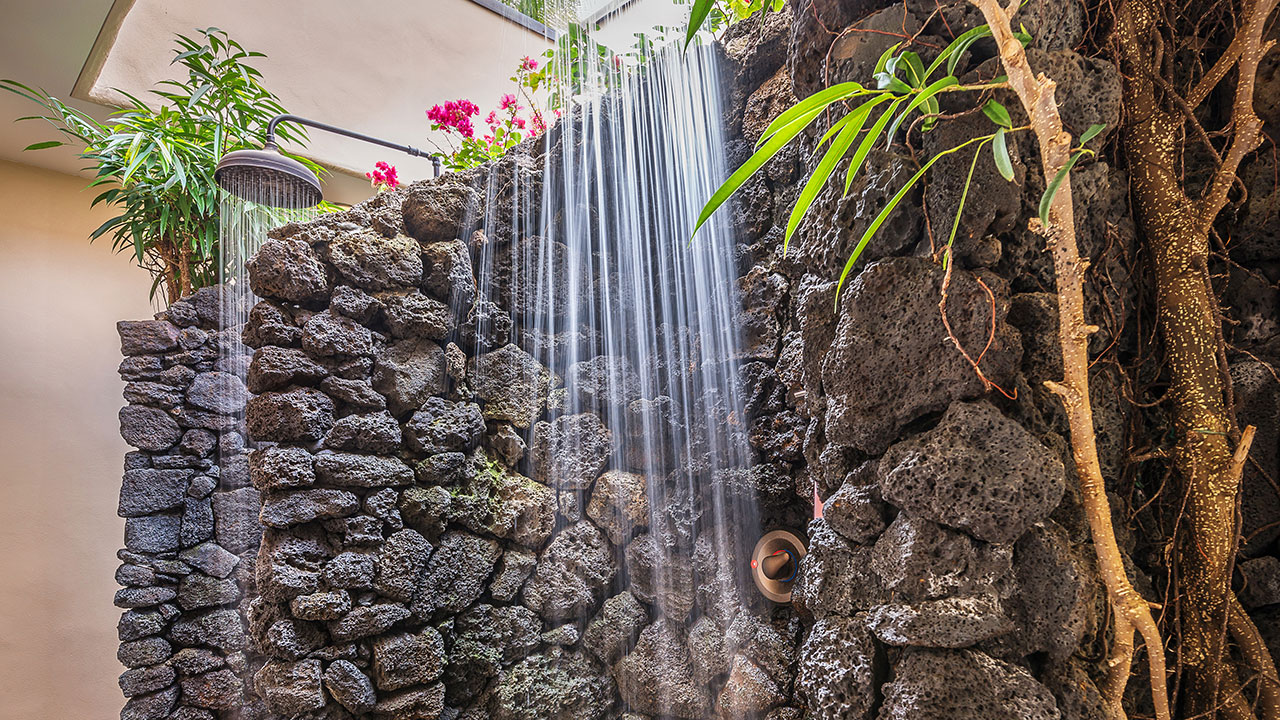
374 69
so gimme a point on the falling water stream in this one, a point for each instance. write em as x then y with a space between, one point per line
636 315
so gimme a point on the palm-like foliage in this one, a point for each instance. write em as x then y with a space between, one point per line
155 164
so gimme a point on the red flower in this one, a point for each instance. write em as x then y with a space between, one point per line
384 176
528 63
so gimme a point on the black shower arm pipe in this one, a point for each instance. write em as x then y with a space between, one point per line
407 149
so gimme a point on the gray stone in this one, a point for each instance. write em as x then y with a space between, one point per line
328 605
660 574
235 517
507 443
657 677
343 469
456 573
425 509
137 624
358 394
952 622
963 685
570 451
856 512
400 561
619 504
220 628
409 313
513 569
572 573
288 270
197 522
408 372
351 688
977 471
553 686
142 680
291 639
835 577
336 336
350 570
613 631
198 442
271 324
280 467
377 433
293 507
194 661
920 560
135 576
601 381
146 337
408 659
147 491
448 273
210 559
836 678
435 212
274 368
198 590
297 415
1052 600
148 428
153 534
749 691
373 262
565 635
415 703
138 597
444 426
512 384
290 688
147 651
217 690
367 620
155 706
890 321
218 392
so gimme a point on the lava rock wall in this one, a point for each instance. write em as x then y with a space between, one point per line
191 527
421 549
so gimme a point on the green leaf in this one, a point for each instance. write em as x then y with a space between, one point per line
754 163
697 16
1001 150
1047 198
914 70
820 176
883 62
997 114
887 209
44 145
921 98
953 52
819 100
868 142
1092 132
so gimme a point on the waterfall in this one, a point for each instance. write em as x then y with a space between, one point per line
634 318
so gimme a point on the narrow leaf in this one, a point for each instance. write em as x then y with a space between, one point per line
754 163
997 114
697 16
922 97
819 178
819 100
1001 150
43 145
867 143
1047 199
1092 132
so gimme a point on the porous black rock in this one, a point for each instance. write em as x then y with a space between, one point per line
296 415
370 261
977 471
456 573
838 669
435 211
963 685
571 574
408 372
288 270
148 428
511 384
442 426
570 451
555 685
890 321
351 688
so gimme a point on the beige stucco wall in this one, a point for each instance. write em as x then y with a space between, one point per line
60 449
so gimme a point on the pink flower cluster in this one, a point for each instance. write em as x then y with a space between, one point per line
528 63
455 115
384 175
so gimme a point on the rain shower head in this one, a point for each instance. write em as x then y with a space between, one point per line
268 177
